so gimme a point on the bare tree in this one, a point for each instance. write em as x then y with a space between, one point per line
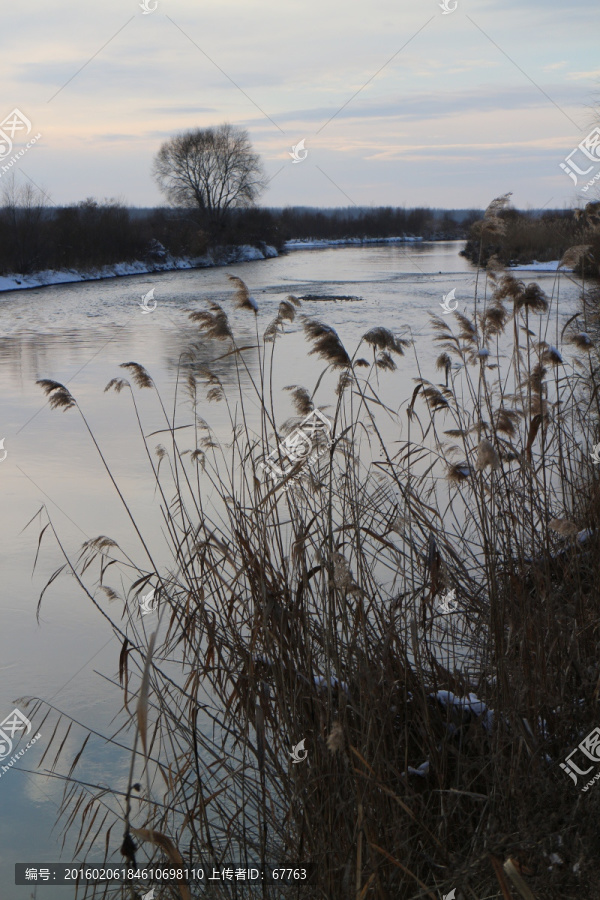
214 169
22 218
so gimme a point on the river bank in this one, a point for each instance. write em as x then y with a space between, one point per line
221 256
323 243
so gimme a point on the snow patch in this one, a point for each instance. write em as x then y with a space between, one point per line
536 266
321 682
472 703
313 244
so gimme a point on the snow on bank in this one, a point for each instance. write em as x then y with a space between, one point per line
472 703
224 257
536 266
310 244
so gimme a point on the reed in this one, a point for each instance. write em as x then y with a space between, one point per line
312 614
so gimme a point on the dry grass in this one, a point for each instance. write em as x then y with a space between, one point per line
312 614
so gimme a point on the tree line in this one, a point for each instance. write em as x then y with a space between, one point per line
92 233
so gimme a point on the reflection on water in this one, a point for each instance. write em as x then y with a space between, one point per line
79 335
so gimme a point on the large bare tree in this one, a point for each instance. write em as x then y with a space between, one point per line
212 168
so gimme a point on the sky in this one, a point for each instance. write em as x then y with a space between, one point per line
398 103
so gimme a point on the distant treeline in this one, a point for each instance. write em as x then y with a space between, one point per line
382 221
92 234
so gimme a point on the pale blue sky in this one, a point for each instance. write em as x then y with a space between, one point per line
487 99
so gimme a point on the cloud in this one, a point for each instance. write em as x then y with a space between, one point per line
584 76
180 110
425 106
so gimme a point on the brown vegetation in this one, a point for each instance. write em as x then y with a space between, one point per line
313 613
516 237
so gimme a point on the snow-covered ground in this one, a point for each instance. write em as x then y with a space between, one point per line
313 244
536 266
243 253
